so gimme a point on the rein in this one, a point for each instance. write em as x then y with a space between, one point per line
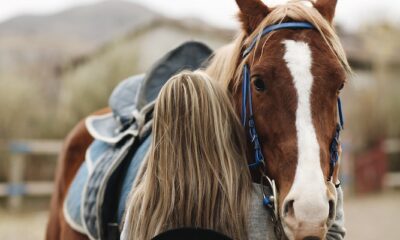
270 198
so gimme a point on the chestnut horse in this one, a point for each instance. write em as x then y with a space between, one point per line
294 79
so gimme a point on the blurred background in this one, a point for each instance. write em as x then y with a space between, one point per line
60 60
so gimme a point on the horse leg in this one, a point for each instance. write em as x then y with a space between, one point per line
71 157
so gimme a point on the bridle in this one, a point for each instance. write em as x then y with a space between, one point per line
270 197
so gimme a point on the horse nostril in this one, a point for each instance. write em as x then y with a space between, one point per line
331 209
311 238
288 209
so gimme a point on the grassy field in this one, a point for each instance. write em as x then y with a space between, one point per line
367 218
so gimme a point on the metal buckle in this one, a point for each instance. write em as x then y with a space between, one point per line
269 200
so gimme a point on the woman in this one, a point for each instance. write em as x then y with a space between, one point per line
196 174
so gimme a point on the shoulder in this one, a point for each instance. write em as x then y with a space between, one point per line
259 218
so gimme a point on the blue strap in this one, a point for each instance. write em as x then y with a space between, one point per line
287 25
249 92
341 118
258 155
244 93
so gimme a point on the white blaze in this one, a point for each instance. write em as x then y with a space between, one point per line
308 190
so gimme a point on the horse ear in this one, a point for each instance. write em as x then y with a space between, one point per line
252 12
326 8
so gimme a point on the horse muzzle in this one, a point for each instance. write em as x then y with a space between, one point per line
308 217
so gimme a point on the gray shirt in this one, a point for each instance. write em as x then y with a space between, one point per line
260 226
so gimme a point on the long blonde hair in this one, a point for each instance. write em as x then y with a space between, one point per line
195 174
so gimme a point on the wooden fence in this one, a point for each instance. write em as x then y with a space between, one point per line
16 187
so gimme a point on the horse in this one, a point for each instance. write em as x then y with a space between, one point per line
285 71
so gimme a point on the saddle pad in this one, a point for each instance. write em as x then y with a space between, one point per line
73 202
93 194
86 194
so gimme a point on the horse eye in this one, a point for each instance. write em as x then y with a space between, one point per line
341 86
259 84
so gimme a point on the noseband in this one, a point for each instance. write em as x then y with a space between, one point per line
270 198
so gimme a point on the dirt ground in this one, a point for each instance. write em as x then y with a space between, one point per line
373 217
369 217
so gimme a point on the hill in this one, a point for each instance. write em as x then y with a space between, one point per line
36 45
95 23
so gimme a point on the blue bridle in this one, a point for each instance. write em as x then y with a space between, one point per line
248 102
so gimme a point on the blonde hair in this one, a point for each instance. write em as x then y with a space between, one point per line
195 174
224 66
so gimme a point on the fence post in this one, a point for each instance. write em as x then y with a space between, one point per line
16 179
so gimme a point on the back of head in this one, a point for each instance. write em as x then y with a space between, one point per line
196 173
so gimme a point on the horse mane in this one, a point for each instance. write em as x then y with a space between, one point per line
223 65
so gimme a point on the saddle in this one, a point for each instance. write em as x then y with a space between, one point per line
95 201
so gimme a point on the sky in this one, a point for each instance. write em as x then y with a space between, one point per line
350 14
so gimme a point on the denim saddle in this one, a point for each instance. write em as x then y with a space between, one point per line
95 201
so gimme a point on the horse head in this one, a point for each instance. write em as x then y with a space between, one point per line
294 77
